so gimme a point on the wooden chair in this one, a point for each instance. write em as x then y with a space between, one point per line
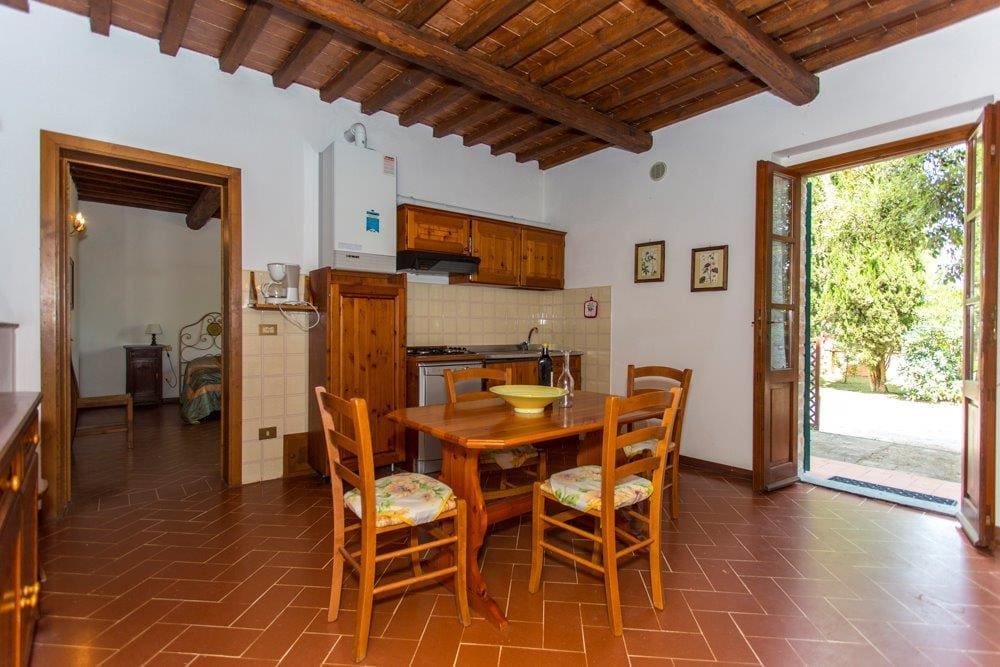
642 379
600 491
79 404
398 502
527 457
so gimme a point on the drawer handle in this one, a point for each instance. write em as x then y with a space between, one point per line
11 484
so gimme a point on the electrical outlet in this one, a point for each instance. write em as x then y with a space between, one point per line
267 433
267 329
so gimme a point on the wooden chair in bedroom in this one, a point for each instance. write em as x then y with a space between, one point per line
80 404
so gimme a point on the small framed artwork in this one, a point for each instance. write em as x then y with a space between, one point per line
710 269
649 261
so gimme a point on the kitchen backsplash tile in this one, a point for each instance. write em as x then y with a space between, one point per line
478 315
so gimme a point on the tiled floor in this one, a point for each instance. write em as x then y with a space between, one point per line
240 577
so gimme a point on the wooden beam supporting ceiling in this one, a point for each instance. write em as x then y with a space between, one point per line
432 104
407 43
205 208
175 25
465 36
311 45
562 143
22 5
100 16
404 82
495 128
732 33
416 13
529 136
481 109
247 31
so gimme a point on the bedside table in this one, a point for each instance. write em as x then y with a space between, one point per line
144 374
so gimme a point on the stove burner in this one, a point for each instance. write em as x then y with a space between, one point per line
436 350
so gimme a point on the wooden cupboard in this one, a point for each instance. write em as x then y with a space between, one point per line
542 258
19 586
521 372
498 247
144 374
358 349
420 228
575 368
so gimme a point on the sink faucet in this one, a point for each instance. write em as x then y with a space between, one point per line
526 344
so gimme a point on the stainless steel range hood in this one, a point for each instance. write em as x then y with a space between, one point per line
435 262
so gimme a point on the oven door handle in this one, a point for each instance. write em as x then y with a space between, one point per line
433 372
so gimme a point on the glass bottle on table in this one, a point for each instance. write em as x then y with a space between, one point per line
566 382
545 367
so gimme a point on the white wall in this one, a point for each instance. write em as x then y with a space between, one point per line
607 203
59 76
138 267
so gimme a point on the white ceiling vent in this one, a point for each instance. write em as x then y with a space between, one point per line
658 171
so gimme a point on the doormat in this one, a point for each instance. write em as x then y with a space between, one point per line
926 497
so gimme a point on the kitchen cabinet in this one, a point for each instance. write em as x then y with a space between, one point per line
575 369
498 247
19 586
420 228
521 372
144 374
358 349
542 258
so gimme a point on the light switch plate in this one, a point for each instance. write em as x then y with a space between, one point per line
267 433
267 329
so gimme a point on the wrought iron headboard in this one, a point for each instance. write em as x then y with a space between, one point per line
201 337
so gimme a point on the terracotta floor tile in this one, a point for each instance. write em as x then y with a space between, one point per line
145 645
281 634
667 644
265 608
46 655
515 633
439 642
381 651
309 649
512 656
477 655
214 640
705 601
724 637
562 629
773 652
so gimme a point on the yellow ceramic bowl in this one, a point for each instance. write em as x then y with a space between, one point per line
528 399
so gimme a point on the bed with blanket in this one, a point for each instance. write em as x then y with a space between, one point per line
200 360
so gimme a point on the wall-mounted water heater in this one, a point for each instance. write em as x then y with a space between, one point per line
357 209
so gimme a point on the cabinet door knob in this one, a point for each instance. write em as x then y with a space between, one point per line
13 483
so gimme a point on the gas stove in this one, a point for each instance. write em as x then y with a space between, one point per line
435 350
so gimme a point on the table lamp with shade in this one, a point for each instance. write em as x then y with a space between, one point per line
154 330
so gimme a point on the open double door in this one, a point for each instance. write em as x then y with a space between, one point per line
778 350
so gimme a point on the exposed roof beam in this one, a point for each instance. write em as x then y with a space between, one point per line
482 109
526 138
408 43
541 150
405 81
493 129
732 33
205 208
15 4
432 104
246 33
175 25
100 16
311 45
416 13
464 37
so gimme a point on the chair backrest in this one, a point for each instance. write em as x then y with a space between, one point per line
642 379
346 427
613 468
452 378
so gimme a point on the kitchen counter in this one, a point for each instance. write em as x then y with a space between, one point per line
487 354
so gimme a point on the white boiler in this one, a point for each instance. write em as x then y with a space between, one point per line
357 209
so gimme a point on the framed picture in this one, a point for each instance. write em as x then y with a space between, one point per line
649 260
710 268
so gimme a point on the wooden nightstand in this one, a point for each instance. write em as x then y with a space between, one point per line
144 374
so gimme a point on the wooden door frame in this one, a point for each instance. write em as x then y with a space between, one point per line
879 152
57 151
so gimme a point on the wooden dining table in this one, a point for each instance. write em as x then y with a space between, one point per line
467 429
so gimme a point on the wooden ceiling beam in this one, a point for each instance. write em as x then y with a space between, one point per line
416 13
407 43
432 104
499 126
529 136
729 30
175 25
404 82
464 37
576 152
205 208
562 143
305 52
151 190
100 16
139 204
243 37
21 5
125 198
482 109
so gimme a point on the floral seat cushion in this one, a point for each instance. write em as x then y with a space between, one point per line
580 488
641 447
508 459
405 497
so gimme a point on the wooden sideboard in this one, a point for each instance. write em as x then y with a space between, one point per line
19 586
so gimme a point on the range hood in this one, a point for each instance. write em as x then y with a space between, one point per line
435 262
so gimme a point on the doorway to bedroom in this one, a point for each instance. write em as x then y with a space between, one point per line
141 259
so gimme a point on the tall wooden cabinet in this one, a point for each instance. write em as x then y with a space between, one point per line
19 586
358 349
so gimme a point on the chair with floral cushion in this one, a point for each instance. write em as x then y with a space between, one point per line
604 491
642 379
502 460
389 504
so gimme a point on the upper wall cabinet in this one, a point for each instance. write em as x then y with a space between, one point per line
422 228
542 258
498 247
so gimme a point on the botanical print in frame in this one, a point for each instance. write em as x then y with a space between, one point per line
649 261
710 268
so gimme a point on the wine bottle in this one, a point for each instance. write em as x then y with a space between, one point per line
545 367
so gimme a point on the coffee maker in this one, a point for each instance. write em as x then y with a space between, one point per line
284 285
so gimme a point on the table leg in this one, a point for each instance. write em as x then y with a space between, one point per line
589 450
460 471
